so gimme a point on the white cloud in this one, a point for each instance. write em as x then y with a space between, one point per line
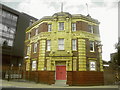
108 28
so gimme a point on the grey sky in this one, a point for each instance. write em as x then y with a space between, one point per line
106 11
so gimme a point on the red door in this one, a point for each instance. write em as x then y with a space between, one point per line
60 72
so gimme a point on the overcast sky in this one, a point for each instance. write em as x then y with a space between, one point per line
105 11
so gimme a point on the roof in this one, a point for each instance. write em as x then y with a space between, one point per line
67 15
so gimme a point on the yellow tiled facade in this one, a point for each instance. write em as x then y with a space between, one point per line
74 60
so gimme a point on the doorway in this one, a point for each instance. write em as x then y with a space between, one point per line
61 72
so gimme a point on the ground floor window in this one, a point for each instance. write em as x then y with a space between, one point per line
92 65
34 64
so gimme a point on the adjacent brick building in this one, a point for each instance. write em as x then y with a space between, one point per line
64 47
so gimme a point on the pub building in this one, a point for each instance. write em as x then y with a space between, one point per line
64 47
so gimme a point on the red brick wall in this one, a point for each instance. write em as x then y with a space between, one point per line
43 27
41 76
85 78
81 26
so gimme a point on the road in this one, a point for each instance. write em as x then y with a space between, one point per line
28 84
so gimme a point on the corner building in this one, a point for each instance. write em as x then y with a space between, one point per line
64 47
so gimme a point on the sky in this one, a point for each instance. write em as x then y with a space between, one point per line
105 11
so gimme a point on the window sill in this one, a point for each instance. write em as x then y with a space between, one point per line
61 50
47 51
92 51
61 30
34 52
74 50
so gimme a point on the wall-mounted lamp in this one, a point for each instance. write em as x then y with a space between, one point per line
26 57
68 52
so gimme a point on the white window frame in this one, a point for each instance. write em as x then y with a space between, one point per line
34 65
49 27
74 44
61 26
91 65
93 48
35 48
28 50
73 26
48 45
36 31
60 44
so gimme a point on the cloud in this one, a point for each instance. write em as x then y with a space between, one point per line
103 10
11 1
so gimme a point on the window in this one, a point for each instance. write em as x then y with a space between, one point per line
3 13
91 30
34 65
10 43
31 22
8 15
48 45
74 44
35 48
49 27
11 36
28 50
61 44
61 26
12 30
36 31
15 18
92 66
73 26
91 46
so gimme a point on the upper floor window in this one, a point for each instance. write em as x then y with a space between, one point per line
49 27
28 50
74 44
92 66
48 45
61 26
91 46
36 31
73 26
61 44
35 48
91 29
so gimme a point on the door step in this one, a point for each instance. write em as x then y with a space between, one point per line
60 83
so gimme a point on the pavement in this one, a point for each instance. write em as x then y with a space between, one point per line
59 84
